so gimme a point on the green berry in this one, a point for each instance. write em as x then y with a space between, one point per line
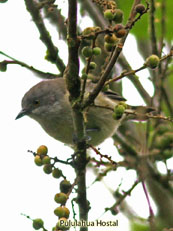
61 198
65 186
89 32
84 76
167 154
42 150
140 8
97 51
47 168
121 33
124 105
152 61
110 38
46 160
62 211
37 223
167 140
111 4
162 129
38 160
118 16
109 46
97 28
3 66
92 65
87 52
108 15
56 173
118 27
118 111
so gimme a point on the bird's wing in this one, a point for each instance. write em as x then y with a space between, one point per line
114 95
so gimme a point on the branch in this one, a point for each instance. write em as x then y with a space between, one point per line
94 13
132 19
40 74
31 6
113 163
72 70
122 197
124 74
104 76
113 60
150 116
163 25
151 216
163 198
73 85
57 19
135 80
152 28
127 147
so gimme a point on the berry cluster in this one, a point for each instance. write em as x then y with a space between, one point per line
42 159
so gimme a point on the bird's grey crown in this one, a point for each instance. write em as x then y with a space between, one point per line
45 93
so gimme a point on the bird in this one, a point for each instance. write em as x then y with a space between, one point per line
48 103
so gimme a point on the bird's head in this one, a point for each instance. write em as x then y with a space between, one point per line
42 99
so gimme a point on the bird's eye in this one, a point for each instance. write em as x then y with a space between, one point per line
36 102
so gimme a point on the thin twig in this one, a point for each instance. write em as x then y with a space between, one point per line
148 200
133 14
125 73
152 28
53 14
103 156
163 25
151 213
149 116
135 80
40 74
132 72
122 197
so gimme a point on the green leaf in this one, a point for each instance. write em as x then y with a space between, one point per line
141 27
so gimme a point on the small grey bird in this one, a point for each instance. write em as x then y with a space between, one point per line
48 104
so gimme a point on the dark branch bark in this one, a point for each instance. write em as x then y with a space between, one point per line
134 79
44 34
73 86
152 28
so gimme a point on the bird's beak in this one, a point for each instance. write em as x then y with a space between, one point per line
22 113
